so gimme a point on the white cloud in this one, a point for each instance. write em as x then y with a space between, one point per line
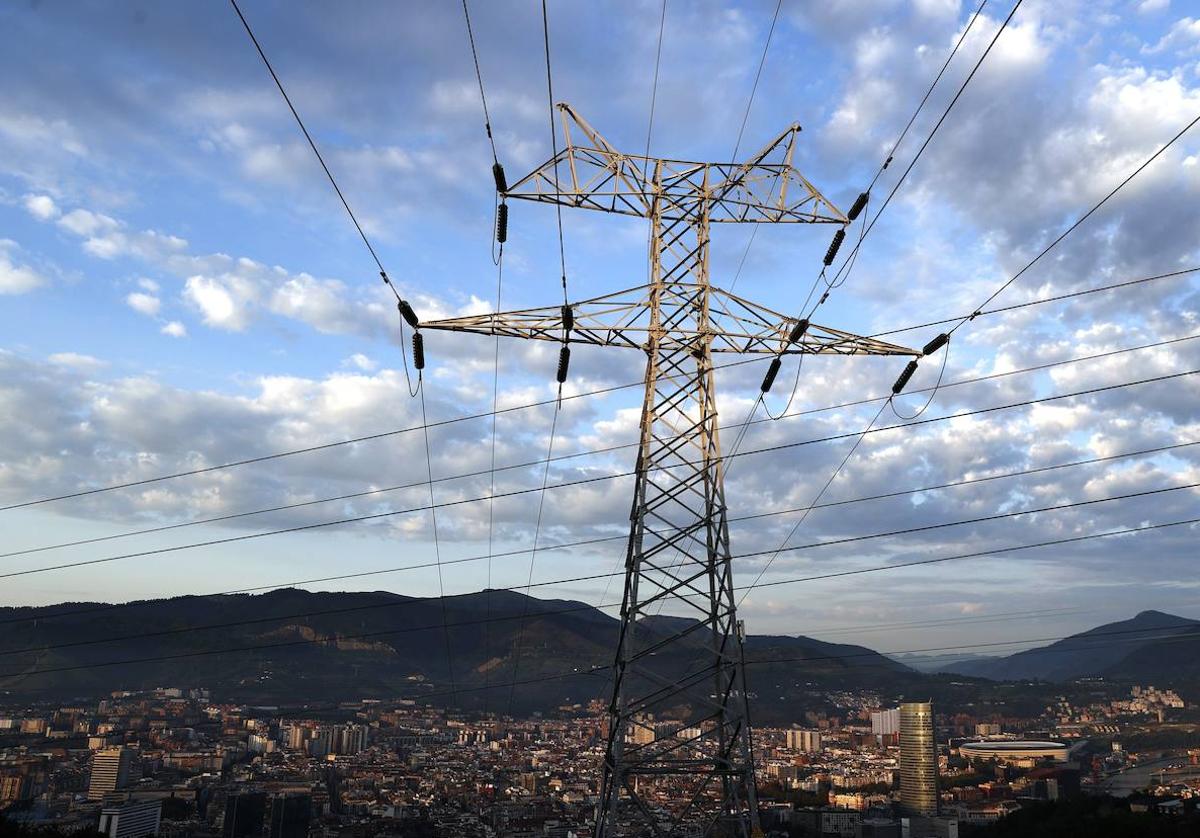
1183 37
146 304
148 285
77 361
1150 6
16 278
224 302
83 222
41 207
361 362
174 329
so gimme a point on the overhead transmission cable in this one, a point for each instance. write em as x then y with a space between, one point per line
767 449
586 542
942 341
600 391
576 671
401 303
583 607
591 451
501 235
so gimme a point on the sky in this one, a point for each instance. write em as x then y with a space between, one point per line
180 288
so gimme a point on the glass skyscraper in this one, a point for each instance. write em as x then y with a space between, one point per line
918 760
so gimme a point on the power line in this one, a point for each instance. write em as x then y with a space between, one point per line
525 611
767 449
817 497
600 391
437 544
1082 218
409 629
920 151
332 181
754 88
562 252
978 554
1041 300
487 119
537 530
662 22
300 122
593 541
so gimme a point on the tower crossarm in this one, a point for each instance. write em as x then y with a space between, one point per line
736 326
590 173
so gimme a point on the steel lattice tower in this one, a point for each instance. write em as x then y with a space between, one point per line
688 671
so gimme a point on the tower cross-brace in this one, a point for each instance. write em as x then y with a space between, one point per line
678 551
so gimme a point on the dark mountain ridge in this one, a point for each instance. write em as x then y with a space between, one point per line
339 646
1139 647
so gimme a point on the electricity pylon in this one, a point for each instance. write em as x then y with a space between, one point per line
690 771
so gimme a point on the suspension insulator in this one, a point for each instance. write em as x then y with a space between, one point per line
936 344
498 174
769 378
418 351
798 330
564 363
904 377
831 253
406 311
502 223
860 203
568 318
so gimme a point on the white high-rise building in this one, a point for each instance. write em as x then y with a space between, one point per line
808 741
111 770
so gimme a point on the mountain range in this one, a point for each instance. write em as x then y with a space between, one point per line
1151 645
487 650
276 646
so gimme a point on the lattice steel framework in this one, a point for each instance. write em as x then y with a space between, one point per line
678 758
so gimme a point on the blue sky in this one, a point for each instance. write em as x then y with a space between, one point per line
179 287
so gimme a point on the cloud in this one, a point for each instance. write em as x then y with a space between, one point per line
360 361
77 361
224 302
174 329
146 304
16 278
1183 38
41 207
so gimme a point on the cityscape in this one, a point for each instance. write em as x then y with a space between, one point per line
722 419
175 762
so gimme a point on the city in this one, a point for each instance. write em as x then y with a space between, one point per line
174 762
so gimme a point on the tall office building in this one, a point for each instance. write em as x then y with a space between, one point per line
112 769
918 760
133 819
